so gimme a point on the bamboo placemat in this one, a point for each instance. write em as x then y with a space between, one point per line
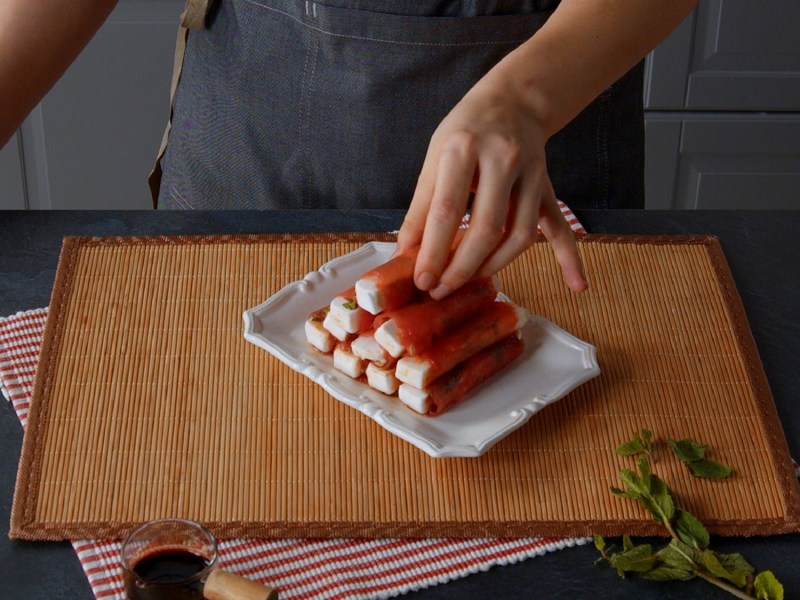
148 403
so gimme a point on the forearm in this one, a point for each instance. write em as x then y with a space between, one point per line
582 49
39 39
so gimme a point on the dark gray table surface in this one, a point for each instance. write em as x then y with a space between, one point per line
761 249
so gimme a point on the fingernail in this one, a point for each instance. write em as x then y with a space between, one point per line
426 281
440 291
579 284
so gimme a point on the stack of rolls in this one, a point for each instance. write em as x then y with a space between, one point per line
429 353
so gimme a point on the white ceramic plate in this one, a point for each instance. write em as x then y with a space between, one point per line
553 364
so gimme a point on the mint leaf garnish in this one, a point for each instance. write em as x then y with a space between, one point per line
687 555
693 455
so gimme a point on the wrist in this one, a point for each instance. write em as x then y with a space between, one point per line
515 82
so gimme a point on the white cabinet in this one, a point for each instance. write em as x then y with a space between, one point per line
722 102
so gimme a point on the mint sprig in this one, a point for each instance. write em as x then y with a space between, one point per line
687 555
693 455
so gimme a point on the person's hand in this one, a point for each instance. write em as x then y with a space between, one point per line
489 144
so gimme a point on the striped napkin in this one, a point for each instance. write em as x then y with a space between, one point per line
569 217
340 569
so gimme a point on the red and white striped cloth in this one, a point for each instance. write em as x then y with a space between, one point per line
569 216
339 569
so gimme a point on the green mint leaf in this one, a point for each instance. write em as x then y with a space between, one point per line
659 500
732 567
680 556
709 469
640 443
666 572
690 530
627 543
693 455
768 587
647 438
735 563
631 448
633 482
652 508
638 559
714 566
686 450
643 464
622 494
599 543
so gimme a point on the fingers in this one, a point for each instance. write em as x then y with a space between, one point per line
500 155
503 224
522 232
558 232
445 211
522 221
498 172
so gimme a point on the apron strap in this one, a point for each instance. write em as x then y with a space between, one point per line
194 14
193 17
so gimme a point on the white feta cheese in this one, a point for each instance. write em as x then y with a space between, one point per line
415 398
347 362
368 296
318 336
412 371
386 336
346 313
333 327
365 346
382 380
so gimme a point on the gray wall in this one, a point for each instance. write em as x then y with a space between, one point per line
91 142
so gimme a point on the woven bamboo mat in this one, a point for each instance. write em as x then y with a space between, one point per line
149 403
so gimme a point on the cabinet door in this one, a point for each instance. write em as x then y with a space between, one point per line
92 141
730 55
12 191
721 162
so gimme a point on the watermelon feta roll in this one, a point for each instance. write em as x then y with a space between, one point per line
412 328
490 325
453 386
388 286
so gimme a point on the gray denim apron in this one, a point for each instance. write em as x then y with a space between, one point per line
302 104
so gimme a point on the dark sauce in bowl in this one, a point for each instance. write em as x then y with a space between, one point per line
167 574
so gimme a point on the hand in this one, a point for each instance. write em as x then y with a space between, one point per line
491 145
